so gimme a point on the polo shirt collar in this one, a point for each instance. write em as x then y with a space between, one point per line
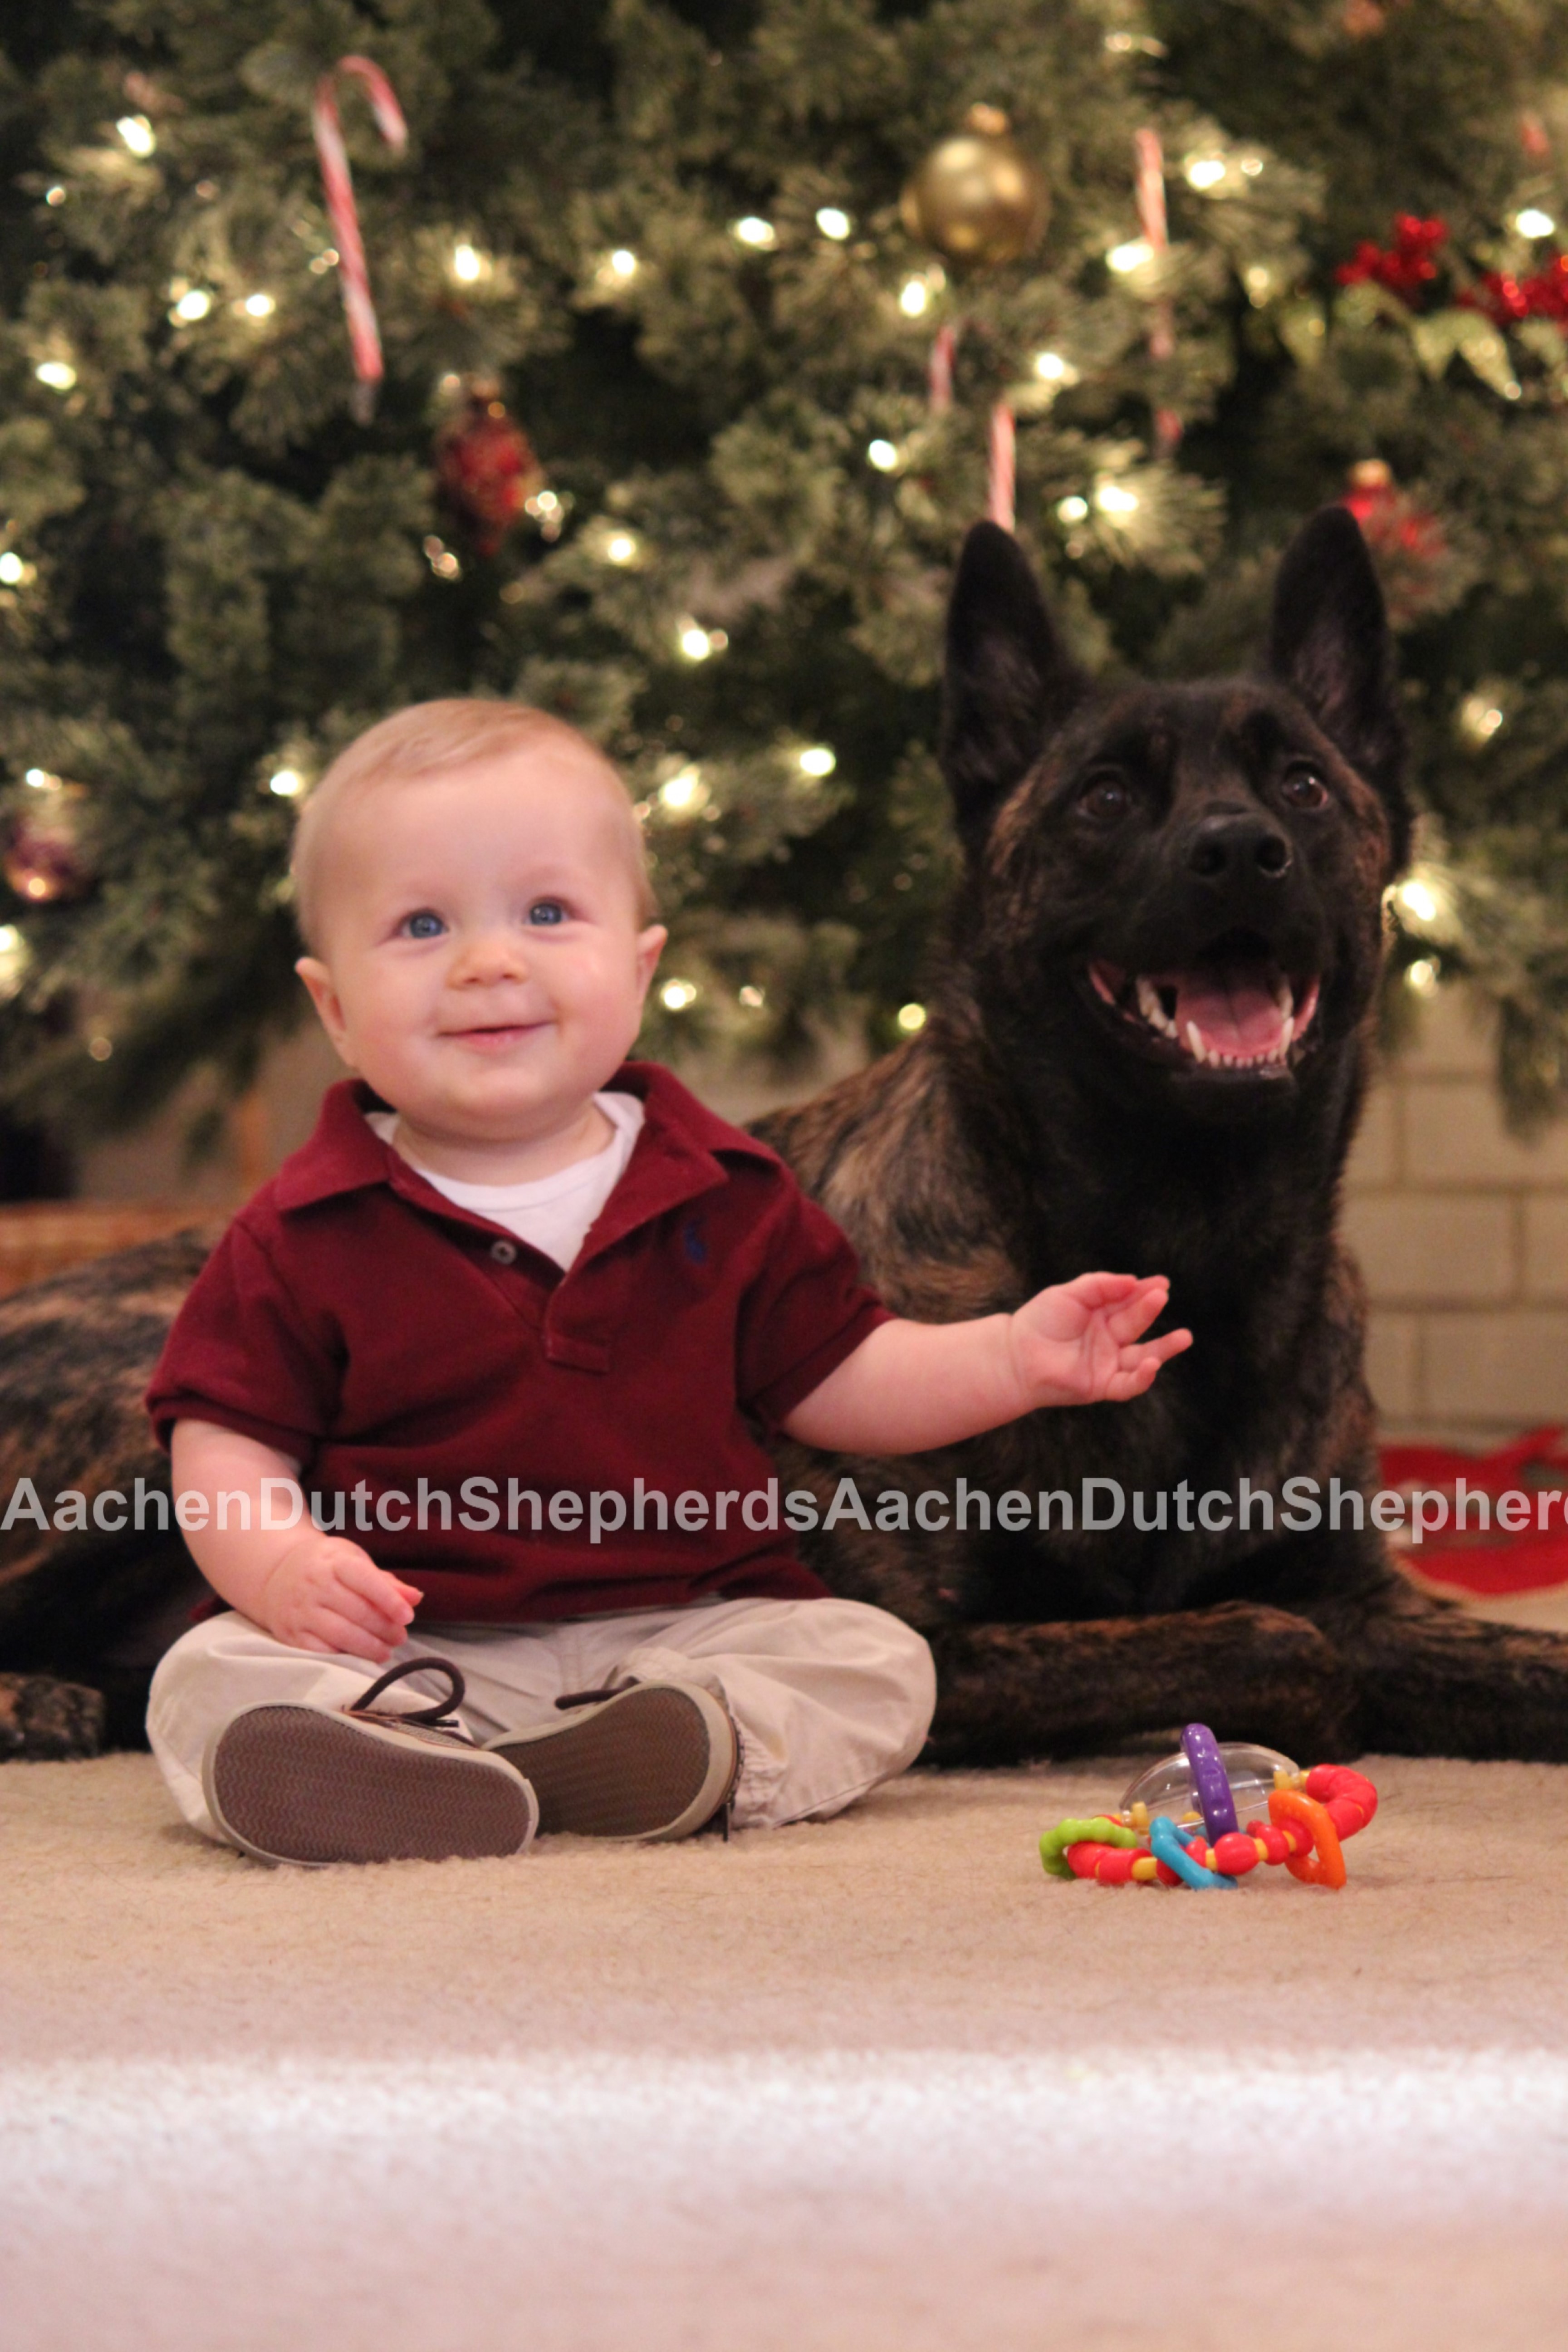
680 1154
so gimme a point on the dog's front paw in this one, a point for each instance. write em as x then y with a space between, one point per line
41 1718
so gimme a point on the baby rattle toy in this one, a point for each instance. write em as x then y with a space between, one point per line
1154 1839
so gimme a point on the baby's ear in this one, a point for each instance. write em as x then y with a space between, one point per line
650 947
318 980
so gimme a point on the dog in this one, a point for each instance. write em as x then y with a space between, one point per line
1147 1046
1146 1049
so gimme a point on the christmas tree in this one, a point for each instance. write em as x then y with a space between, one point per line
708 328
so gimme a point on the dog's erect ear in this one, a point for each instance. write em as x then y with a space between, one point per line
1009 681
1329 644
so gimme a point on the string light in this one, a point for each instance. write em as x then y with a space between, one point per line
883 456
1533 222
100 1048
910 1017
752 998
1113 500
55 195
56 373
676 995
440 559
696 643
193 305
258 306
623 263
12 960
1418 900
138 133
818 759
1204 171
1422 976
621 547
914 301
1479 718
287 782
41 779
12 570
837 226
684 793
328 258
1073 510
1124 259
467 264
758 234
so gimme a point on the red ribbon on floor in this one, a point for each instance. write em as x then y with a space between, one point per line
1493 1560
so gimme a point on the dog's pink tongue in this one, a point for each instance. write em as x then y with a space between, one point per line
1234 1011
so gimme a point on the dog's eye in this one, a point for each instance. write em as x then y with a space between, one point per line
1304 788
1105 798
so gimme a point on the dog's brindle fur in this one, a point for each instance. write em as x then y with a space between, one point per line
1028 1133
1032 1131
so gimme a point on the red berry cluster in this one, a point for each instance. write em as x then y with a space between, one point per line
1509 300
1406 267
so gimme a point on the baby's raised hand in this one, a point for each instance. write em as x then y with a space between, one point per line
1080 1342
326 1593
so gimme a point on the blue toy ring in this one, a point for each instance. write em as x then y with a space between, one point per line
1211 1783
1165 1845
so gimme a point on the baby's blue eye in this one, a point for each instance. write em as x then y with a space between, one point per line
547 911
424 925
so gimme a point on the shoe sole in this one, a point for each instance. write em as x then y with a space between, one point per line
655 1763
298 1784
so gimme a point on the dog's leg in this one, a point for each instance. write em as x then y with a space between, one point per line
1434 1681
41 1718
1007 1692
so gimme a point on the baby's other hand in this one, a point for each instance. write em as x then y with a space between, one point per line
1080 1342
326 1593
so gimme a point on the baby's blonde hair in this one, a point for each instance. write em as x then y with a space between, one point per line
431 738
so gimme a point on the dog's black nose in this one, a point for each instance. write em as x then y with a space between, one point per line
1237 848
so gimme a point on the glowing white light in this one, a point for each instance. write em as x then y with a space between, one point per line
287 782
194 305
467 264
12 570
56 373
55 195
834 224
1252 165
41 779
12 960
1422 976
623 263
1533 221
259 305
138 133
1050 365
818 759
696 643
883 456
1417 900
1073 510
753 998
1479 717
1131 255
910 1017
676 994
1206 171
1113 500
620 547
914 299
756 232
684 793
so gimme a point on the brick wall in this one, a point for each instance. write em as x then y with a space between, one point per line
1462 1234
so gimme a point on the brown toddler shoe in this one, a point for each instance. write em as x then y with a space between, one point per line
652 1760
314 1785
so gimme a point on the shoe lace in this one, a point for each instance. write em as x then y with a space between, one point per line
441 1715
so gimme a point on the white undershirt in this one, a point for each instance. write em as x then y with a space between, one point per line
554 1213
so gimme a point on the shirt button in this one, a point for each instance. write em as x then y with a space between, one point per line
504 1252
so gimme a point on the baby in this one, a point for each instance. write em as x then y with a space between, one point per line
514 1283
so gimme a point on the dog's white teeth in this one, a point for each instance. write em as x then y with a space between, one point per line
1196 1047
1285 1035
1153 1010
1285 998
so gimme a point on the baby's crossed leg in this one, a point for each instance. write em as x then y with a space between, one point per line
828 1696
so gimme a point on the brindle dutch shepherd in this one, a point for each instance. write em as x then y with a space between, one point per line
1146 1050
1147 1047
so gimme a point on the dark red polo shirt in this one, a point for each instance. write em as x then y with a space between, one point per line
372 1329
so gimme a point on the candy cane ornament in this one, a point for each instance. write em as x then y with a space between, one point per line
364 336
1149 190
1001 442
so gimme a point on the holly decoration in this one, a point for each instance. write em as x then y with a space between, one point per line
486 466
1408 540
1508 300
1407 266
978 198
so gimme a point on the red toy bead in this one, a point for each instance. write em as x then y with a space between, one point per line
1234 1854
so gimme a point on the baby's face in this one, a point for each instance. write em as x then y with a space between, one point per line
481 960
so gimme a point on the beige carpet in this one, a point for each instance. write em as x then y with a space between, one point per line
875 2087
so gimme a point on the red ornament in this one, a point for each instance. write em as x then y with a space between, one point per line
487 468
1407 540
1507 299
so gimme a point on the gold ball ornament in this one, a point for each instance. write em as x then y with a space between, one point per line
978 197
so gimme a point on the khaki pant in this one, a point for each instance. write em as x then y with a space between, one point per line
828 1696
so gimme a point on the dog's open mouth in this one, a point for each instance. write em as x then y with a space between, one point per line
1235 1009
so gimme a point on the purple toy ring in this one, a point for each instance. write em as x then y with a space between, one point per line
1211 1783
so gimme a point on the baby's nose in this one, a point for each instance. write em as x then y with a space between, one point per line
491 955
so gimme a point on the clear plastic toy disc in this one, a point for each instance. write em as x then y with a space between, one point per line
1167 1787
